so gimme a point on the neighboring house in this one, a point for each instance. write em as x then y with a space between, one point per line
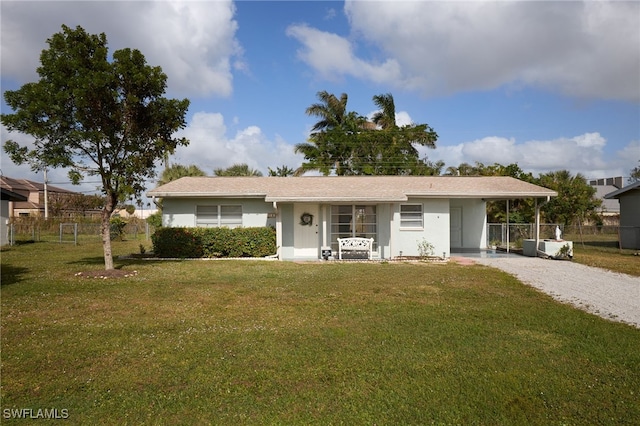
8 196
58 198
34 191
310 213
629 198
610 207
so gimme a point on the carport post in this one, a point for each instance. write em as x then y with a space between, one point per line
507 226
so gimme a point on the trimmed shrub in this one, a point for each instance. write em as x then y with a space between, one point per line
214 242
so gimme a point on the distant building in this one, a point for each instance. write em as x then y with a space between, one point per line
610 207
629 198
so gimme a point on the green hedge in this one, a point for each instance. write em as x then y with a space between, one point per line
214 242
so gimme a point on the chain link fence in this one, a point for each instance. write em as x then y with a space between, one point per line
497 233
65 230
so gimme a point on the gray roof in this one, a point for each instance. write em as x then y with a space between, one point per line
12 196
351 188
616 194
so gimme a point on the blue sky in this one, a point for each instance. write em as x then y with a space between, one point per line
549 85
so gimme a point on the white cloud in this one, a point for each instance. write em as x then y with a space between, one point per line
579 154
210 147
333 56
193 42
582 49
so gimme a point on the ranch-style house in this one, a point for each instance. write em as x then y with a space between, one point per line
310 213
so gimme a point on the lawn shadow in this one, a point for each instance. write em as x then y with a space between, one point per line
91 261
599 244
12 274
118 262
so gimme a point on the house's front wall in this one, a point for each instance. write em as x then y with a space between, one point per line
473 224
435 229
298 241
181 212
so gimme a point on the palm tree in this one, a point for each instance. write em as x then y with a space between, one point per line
331 143
386 117
283 171
176 171
396 153
346 143
237 170
331 110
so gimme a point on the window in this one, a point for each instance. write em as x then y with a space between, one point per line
353 221
411 216
214 216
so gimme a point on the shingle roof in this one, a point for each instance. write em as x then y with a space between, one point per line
351 188
25 185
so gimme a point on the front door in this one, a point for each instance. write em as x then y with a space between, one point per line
306 238
455 226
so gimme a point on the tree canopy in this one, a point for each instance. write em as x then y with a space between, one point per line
237 170
176 171
95 116
346 143
576 199
634 174
282 171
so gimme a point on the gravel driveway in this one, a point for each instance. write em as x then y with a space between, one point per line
608 294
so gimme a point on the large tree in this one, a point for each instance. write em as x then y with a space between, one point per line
97 117
575 201
345 143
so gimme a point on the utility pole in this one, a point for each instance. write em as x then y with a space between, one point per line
46 196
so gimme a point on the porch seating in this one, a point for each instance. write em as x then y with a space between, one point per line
355 245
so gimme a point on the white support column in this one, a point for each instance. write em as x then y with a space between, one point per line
325 226
507 226
537 233
278 230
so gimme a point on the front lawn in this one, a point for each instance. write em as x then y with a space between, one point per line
257 342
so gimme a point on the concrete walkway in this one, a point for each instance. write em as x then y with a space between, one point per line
608 294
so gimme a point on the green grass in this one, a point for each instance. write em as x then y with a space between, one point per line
228 342
601 250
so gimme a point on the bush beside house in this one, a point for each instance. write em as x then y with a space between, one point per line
214 242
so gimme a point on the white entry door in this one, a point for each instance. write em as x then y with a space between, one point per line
306 237
455 226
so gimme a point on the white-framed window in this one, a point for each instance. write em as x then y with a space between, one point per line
353 221
411 216
209 216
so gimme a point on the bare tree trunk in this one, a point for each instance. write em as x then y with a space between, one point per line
106 231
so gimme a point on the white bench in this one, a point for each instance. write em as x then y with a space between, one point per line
355 244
